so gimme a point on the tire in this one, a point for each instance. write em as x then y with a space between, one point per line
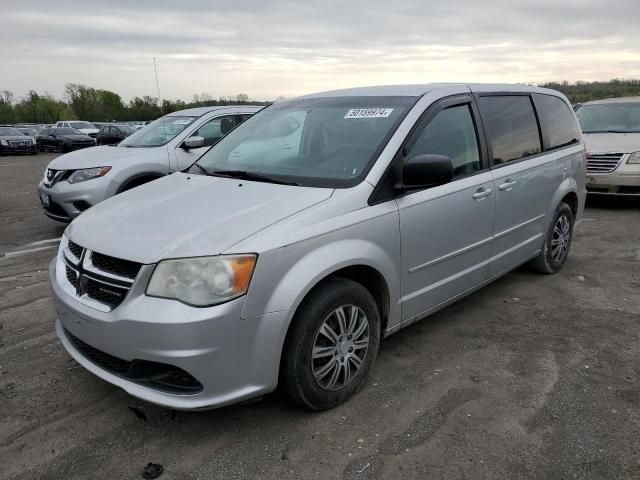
346 354
559 235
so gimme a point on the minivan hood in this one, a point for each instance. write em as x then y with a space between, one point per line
184 215
612 142
102 156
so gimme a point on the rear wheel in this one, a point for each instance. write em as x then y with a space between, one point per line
557 242
332 344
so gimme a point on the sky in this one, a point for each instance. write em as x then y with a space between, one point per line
269 49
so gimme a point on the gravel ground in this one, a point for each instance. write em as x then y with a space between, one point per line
532 377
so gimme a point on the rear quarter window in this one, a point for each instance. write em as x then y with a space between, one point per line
559 127
511 126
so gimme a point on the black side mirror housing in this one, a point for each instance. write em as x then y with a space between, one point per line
425 171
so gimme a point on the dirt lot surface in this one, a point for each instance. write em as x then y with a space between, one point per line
532 377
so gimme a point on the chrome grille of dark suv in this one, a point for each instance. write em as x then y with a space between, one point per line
98 280
603 162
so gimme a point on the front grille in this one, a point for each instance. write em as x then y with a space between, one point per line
106 294
603 163
156 375
75 249
20 144
96 279
115 266
72 276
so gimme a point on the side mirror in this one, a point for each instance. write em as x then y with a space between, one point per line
425 171
193 142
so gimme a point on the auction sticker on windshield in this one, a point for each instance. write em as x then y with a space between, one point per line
369 113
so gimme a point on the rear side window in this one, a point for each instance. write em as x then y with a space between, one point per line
558 125
511 126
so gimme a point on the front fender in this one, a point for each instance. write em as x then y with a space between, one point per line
284 276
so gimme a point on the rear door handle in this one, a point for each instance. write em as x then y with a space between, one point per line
481 193
507 185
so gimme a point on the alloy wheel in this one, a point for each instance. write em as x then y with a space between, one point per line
340 347
560 239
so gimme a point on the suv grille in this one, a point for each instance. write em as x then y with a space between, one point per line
95 279
159 376
603 162
115 266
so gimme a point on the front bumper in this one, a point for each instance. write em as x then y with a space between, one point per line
233 359
68 200
623 181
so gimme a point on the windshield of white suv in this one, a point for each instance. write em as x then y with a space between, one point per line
610 117
79 125
320 142
157 133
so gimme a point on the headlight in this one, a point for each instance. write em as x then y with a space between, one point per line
202 281
88 174
4 143
634 158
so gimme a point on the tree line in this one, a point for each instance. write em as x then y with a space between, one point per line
580 92
82 102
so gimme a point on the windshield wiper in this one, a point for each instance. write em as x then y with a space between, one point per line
243 175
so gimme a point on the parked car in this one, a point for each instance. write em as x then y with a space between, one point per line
63 140
83 127
611 131
113 134
214 285
76 181
13 141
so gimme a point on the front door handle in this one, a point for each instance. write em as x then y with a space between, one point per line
507 185
481 193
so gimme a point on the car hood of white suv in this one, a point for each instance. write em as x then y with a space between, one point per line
104 156
612 142
184 215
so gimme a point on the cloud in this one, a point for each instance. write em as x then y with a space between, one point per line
270 48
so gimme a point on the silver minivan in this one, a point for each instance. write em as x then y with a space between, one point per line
611 131
316 228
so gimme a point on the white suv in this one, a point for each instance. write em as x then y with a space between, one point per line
78 180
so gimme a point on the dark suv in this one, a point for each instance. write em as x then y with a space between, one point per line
113 134
13 141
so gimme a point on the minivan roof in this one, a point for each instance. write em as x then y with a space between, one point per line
418 90
199 111
614 100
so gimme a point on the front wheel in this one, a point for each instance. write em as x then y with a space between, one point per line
557 242
332 344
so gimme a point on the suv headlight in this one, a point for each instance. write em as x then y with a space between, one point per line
4 143
88 174
202 281
634 158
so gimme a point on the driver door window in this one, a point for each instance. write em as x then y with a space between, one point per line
215 129
451 133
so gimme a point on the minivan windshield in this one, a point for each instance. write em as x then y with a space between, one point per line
318 142
610 117
79 125
158 132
